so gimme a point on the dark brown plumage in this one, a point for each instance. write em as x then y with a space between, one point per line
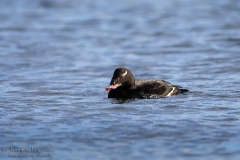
123 85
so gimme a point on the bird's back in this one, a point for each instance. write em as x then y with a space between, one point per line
156 88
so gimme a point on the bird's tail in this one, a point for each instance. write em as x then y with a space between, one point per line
183 90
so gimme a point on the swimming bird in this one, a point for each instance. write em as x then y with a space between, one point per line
123 85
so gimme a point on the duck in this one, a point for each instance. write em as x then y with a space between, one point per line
124 85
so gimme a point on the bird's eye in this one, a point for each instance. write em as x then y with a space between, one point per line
124 74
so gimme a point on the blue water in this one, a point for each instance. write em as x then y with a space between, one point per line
57 57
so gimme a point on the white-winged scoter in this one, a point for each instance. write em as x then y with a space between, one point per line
123 85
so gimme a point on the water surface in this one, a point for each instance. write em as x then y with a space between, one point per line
57 57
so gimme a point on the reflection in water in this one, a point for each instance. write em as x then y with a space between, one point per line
121 100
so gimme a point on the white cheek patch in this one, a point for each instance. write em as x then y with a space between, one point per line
124 74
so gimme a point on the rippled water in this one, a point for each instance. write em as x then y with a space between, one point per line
56 58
